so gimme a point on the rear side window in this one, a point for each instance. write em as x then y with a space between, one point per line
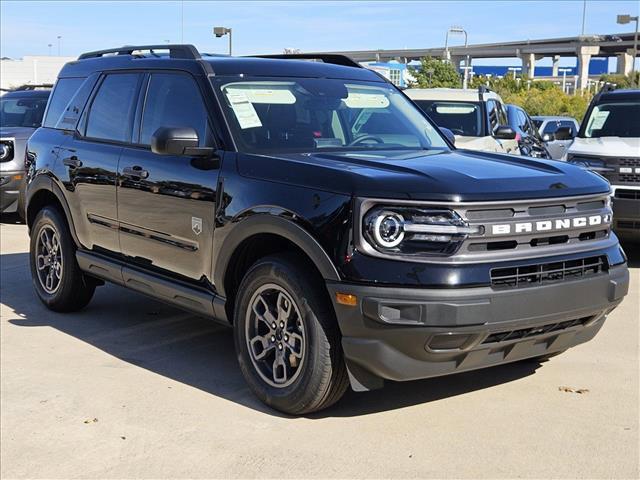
173 100
112 108
65 89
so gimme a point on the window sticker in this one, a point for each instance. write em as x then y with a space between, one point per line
244 111
598 119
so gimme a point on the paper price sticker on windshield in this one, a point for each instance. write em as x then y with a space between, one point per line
244 111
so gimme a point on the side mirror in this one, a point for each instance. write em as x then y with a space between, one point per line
504 132
564 133
177 141
448 134
548 137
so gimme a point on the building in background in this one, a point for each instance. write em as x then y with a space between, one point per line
393 70
30 70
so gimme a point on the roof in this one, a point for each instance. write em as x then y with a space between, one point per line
622 94
218 65
470 95
552 117
27 94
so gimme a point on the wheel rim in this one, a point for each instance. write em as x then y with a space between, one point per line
48 259
275 335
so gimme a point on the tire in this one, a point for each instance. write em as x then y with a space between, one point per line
310 374
67 289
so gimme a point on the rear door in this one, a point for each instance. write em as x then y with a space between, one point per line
91 160
166 203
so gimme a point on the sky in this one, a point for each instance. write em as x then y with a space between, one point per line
27 27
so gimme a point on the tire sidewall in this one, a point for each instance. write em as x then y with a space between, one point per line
51 217
280 273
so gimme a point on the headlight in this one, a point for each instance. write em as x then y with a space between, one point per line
6 151
415 231
590 163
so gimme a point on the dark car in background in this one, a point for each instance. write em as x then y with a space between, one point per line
21 113
529 140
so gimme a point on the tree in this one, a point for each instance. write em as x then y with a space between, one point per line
622 81
433 73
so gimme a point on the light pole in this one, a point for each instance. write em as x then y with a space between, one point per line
514 70
564 77
59 44
221 32
49 45
453 29
623 20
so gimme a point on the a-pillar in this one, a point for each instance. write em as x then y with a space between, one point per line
625 62
529 64
584 54
555 66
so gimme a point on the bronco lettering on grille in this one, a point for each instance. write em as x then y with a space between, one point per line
550 225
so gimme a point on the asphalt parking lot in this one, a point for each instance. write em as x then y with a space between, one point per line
130 387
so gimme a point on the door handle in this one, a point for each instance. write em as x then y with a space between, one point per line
135 172
72 162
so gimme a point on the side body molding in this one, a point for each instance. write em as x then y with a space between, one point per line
270 224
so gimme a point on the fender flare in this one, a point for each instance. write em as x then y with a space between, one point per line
268 223
45 182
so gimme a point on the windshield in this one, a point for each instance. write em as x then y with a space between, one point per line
462 118
22 112
308 114
614 120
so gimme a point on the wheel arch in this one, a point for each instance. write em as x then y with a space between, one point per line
43 191
259 236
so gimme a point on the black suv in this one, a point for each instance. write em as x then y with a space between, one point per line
315 209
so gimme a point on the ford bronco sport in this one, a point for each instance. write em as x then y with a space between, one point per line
315 209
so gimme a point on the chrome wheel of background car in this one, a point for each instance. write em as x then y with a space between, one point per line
49 259
275 335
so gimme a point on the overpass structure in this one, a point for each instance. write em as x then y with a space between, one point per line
584 48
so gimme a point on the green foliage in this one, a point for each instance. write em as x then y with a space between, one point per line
622 81
434 73
536 97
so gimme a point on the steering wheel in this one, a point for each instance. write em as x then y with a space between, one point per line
364 138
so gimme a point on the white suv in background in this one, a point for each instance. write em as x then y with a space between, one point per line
477 118
609 143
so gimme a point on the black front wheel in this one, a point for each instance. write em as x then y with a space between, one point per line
287 338
56 276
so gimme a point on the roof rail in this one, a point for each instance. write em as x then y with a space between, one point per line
27 87
333 58
186 51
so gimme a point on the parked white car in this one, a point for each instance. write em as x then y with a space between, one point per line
608 143
477 118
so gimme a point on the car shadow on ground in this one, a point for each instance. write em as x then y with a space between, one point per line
200 353
633 253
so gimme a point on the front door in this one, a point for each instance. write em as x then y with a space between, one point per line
166 203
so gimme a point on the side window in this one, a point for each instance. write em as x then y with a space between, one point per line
570 124
173 100
63 92
502 115
112 108
550 127
492 113
71 114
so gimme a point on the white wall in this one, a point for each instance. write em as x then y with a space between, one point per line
30 70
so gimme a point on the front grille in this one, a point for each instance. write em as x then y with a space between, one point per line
628 224
521 333
545 273
627 194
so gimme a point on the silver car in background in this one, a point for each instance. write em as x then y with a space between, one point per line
548 126
21 113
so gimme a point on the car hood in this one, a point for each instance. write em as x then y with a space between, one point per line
456 175
606 146
19 133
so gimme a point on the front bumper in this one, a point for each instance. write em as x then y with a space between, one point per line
11 184
408 333
626 212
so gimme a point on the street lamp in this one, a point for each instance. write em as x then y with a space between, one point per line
59 43
514 70
623 20
458 30
221 32
49 45
564 77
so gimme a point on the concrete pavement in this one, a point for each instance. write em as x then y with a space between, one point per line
132 388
